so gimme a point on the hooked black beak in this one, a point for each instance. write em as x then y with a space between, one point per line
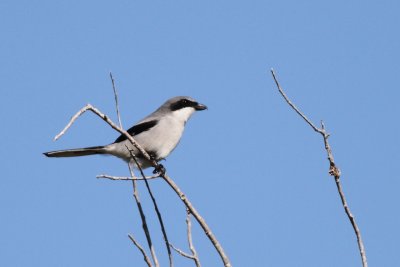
200 107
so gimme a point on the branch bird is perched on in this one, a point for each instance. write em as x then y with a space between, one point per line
158 134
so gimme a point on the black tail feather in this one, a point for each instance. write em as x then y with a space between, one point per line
77 152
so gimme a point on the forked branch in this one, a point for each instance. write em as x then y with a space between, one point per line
194 256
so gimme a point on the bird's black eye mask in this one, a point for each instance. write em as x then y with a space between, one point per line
183 103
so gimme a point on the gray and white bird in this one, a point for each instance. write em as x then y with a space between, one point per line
158 133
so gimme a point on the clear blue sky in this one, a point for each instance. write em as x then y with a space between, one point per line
253 169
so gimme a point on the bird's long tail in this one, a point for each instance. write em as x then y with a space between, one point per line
77 152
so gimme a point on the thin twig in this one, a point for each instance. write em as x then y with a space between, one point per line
135 191
194 255
333 171
182 253
124 178
169 181
143 218
116 99
73 119
109 122
291 104
153 199
190 241
145 257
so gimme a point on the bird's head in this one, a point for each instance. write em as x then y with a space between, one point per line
183 107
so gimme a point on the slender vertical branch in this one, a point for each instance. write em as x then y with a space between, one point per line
190 241
333 170
116 99
143 218
135 192
194 255
164 232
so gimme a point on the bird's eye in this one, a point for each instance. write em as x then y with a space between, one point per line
184 101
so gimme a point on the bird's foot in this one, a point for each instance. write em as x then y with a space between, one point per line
159 169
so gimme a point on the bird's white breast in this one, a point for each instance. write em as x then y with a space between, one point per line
165 136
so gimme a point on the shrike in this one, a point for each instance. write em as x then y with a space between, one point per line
158 134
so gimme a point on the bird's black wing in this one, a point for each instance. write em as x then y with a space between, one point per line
137 129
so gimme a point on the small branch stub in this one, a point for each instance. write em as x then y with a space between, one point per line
334 171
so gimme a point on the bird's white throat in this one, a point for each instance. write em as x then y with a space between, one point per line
183 114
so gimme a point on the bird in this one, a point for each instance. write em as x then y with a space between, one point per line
158 134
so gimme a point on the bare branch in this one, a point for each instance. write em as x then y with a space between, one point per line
164 232
145 257
333 171
73 119
143 218
124 178
291 104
